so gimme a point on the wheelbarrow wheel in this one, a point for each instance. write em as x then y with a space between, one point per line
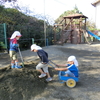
71 83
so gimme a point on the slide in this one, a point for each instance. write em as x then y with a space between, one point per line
92 34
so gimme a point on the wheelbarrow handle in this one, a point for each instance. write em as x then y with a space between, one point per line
53 63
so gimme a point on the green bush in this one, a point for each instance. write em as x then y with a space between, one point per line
2 46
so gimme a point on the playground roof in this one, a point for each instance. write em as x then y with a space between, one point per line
94 4
75 16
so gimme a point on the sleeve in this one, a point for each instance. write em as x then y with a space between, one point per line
15 45
72 68
43 56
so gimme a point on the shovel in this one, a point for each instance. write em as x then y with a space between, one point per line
21 56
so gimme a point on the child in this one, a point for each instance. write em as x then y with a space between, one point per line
44 62
14 49
71 69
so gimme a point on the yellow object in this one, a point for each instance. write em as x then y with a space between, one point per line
71 83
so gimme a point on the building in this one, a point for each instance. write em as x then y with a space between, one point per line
96 4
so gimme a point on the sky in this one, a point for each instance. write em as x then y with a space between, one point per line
54 8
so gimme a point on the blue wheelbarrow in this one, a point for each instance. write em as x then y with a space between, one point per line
70 81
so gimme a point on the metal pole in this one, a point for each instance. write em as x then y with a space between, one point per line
5 35
32 40
47 42
44 25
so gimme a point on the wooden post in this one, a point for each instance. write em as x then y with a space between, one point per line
54 34
71 36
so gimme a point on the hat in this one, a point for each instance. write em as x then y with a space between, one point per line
36 47
73 58
16 33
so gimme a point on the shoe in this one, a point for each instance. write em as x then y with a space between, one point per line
18 66
42 75
49 79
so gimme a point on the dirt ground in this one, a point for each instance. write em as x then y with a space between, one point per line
24 84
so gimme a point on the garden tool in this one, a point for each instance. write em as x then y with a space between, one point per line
21 57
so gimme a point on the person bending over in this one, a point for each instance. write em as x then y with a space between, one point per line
44 62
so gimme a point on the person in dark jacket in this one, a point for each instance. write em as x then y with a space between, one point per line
44 62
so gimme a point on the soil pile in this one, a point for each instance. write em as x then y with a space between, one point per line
20 84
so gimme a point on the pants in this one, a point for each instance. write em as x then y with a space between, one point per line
43 66
68 72
13 55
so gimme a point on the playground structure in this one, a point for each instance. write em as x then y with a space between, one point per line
73 29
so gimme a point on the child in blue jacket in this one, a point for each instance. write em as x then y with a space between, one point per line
44 62
71 69
14 49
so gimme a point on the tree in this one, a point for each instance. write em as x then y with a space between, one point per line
13 3
3 1
68 12
30 27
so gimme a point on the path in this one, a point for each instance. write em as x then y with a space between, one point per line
88 87
53 51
